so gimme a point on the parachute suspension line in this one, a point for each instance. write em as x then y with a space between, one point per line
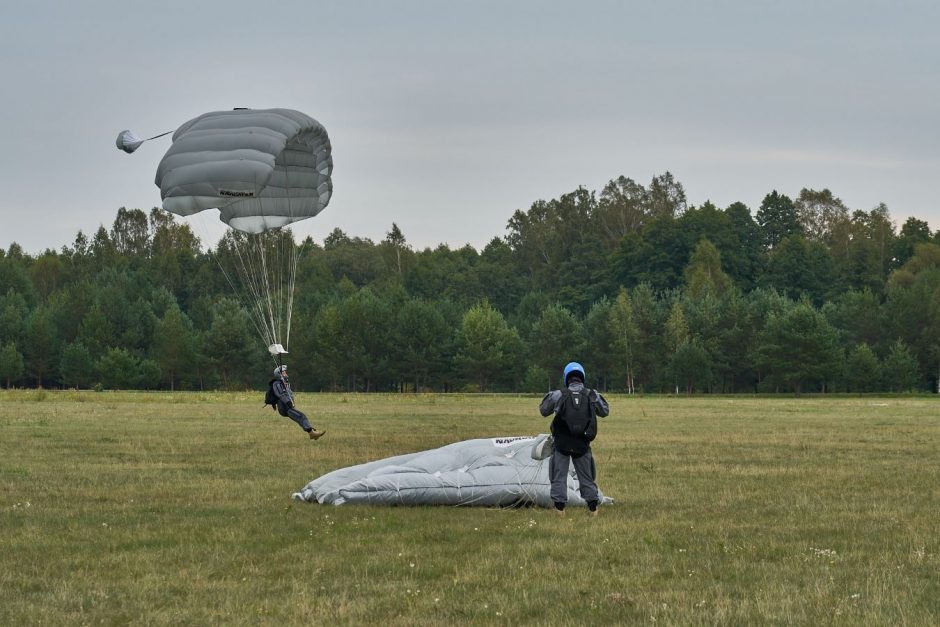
277 290
290 261
252 277
249 278
266 280
295 262
156 136
247 274
261 285
264 286
239 282
267 293
253 314
291 264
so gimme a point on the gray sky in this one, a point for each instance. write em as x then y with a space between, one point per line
447 116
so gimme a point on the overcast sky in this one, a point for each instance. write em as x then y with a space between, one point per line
447 116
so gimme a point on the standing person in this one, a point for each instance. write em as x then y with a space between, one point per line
281 398
574 427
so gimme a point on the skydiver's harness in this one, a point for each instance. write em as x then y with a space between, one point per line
575 423
271 398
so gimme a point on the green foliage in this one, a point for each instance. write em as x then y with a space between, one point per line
598 346
862 370
11 364
488 349
799 349
42 344
798 267
859 317
624 333
119 370
620 280
230 345
149 375
555 339
778 219
367 322
537 380
703 274
421 339
15 279
13 314
677 328
690 366
821 215
78 367
745 259
912 308
174 347
329 345
912 233
899 370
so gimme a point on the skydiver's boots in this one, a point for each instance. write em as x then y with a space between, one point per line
592 508
316 435
560 508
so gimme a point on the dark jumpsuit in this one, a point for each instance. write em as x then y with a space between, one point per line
285 404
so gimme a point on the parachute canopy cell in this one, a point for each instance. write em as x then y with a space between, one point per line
262 168
492 472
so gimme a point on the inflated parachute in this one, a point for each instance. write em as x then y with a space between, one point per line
494 472
263 169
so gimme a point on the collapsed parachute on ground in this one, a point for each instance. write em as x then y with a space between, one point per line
494 472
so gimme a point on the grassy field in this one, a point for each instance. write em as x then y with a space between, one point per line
174 509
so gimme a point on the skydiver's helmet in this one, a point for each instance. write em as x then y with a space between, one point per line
280 371
574 370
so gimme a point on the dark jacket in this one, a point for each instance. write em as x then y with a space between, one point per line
566 441
285 397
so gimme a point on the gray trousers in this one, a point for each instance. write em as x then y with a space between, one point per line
300 418
558 473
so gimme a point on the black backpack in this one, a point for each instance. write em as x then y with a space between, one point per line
270 398
575 424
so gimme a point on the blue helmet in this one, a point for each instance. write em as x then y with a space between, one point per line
574 367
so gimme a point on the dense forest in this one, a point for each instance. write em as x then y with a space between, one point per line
649 293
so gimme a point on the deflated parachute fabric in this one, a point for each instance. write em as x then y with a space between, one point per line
262 168
494 472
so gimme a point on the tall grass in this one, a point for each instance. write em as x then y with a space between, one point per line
174 508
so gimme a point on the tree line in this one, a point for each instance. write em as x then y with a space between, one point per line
650 293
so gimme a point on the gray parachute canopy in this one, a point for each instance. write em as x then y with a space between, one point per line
495 472
262 168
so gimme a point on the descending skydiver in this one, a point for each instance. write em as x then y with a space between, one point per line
574 427
281 398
